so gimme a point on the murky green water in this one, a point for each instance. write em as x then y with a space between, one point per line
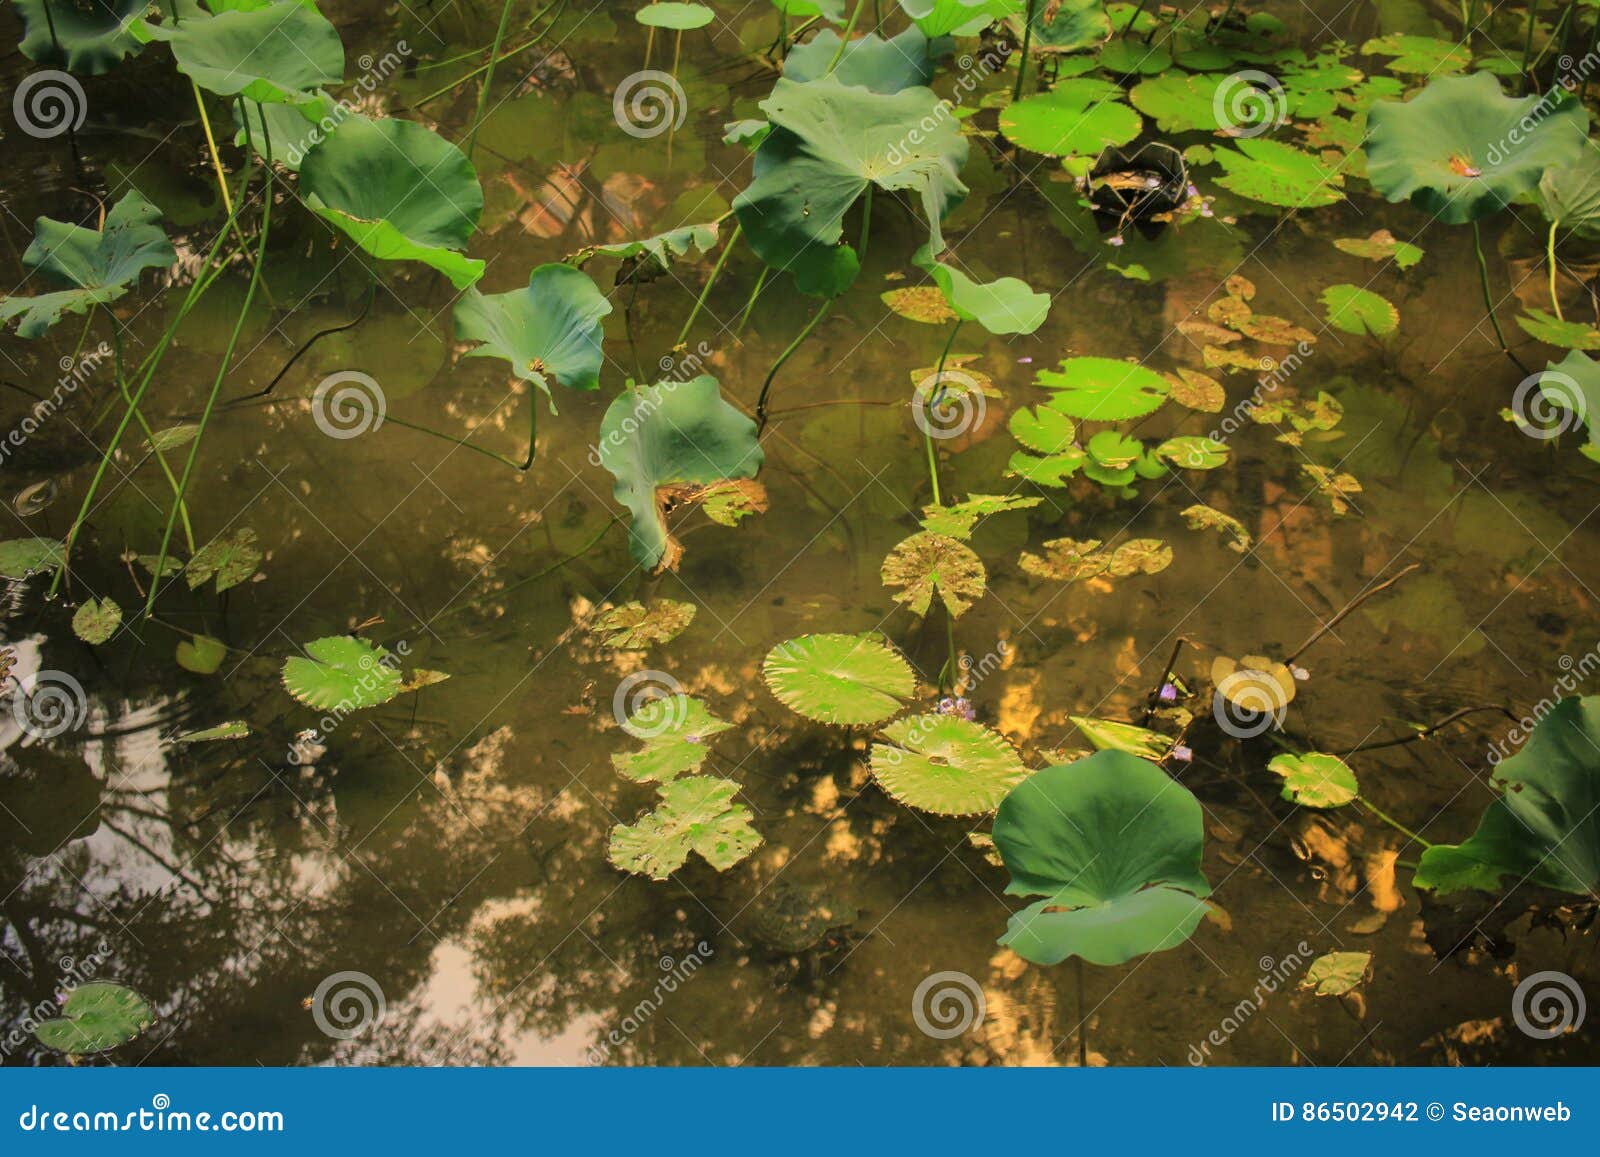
452 846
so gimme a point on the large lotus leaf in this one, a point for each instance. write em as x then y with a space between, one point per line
696 814
1114 846
946 765
278 52
664 248
100 264
1069 26
1005 305
1570 389
289 129
670 444
1570 195
884 66
342 671
1076 116
848 679
1461 149
550 331
82 36
959 17
828 142
1545 829
400 191
96 1017
832 11
1104 389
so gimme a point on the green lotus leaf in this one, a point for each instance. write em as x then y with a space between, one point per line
946 765
664 248
1003 306
674 729
1570 195
1104 389
277 52
696 814
97 620
1424 54
675 17
21 557
1545 828
1382 245
828 142
847 679
957 17
96 1018
832 11
1359 311
1315 779
1461 149
202 654
99 264
1571 387
672 444
960 519
1113 844
1111 735
1076 116
634 626
549 332
879 65
1278 174
399 191
289 130
88 37
928 564
1552 330
1178 102
342 671
231 561
1060 29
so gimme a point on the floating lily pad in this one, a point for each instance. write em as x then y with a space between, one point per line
1194 452
21 557
1076 116
696 814
1315 779
1043 428
928 564
635 626
946 765
1104 389
1422 54
674 729
1113 845
1278 174
96 1018
1058 28
1381 245
1196 390
202 655
549 332
847 679
1334 485
675 17
923 303
275 52
1072 560
1359 311
231 561
1203 517
96 620
1336 973
1552 330
959 519
342 671
1179 102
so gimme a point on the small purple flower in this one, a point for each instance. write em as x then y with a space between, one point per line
1024 361
1183 754
1117 240
1205 210
691 738
1168 693
958 707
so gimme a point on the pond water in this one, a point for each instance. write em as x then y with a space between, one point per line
451 845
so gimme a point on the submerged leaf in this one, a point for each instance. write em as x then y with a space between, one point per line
1335 486
96 1018
959 519
233 729
847 679
202 654
924 303
925 564
696 814
1552 330
1381 246
1203 517
1071 560
634 626
1336 973
230 561
946 765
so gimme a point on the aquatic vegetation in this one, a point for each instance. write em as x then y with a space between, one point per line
342 670
674 729
946 764
695 814
844 679
635 626
96 1018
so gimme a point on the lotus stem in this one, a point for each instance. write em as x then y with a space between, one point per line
716 272
211 144
488 78
1083 1015
493 60
938 394
750 302
122 388
766 386
1391 821
521 467
844 39
222 367
1027 40
1488 297
1345 611
1527 44
1550 260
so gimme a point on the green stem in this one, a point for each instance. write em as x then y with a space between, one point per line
716 272
1550 259
750 303
1527 44
1027 41
1391 821
122 388
507 55
866 224
929 403
844 40
488 79
766 386
466 445
1488 296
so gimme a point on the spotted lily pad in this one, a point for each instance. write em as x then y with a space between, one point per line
1194 452
1315 779
674 729
230 560
342 671
97 620
960 519
1334 485
924 303
1071 560
928 564
1104 389
946 765
1381 245
96 1018
21 557
1203 517
1336 973
696 814
1359 311
634 626
1196 390
847 679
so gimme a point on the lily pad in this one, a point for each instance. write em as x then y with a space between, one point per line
88 38
946 765
275 52
926 564
921 303
1381 245
845 679
96 1018
1203 517
1278 174
1077 116
1552 330
1194 452
1043 428
960 519
668 445
99 264
1060 29
674 729
696 814
675 17
97 620
341 671
1197 391
549 332
1461 149
879 65
399 191
1428 55
1072 560
635 626
21 557
1113 845
1179 102
1006 305
1104 389
231 561
1336 973
202 655
1359 311
1315 779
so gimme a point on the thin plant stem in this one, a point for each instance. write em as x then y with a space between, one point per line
755 292
716 272
211 144
466 445
1429 731
506 55
844 40
1391 821
1345 611
766 386
938 392
1083 1015
1488 296
122 388
1527 45
1550 259
488 77
1027 41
